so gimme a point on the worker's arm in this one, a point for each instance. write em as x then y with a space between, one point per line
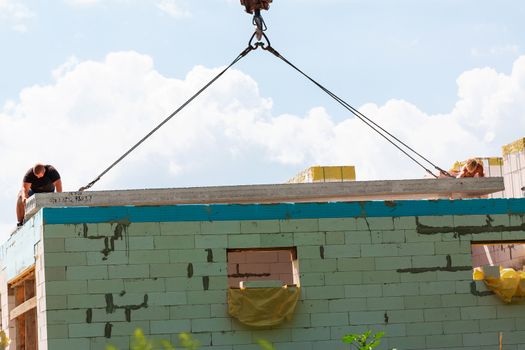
26 186
58 185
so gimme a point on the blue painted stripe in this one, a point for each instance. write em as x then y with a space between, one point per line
224 212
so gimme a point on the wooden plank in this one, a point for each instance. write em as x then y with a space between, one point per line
23 308
27 273
275 193
31 332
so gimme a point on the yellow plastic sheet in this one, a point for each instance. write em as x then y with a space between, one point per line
262 307
510 284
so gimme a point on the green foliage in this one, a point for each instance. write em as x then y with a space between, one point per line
141 342
365 341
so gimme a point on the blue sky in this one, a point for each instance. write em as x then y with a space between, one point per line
82 80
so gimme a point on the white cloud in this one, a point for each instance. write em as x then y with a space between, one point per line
495 51
94 111
174 8
15 14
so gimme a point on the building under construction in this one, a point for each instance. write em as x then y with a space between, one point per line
297 264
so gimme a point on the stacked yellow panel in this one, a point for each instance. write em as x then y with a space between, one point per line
325 174
514 169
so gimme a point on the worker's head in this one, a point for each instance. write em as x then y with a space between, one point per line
39 170
471 164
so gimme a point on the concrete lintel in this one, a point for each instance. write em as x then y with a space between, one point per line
276 193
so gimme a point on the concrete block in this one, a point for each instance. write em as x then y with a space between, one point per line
211 241
358 237
416 249
86 301
461 327
343 278
166 270
260 226
508 310
329 319
232 338
62 231
401 289
244 241
68 344
179 228
190 255
127 328
327 292
452 247
442 314
149 256
167 298
356 264
206 297
434 288
367 317
314 265
312 279
477 339
342 251
190 311
397 236
517 337
145 229
219 310
144 285
81 244
64 317
436 221
379 250
66 287
413 236
76 273
276 240
335 238
221 227
174 242
500 325
459 300
170 326
454 276
337 224
128 271
422 302
55 273
381 277
405 223
86 330
111 258
363 291
424 328
311 306
378 224
56 302
120 342
348 304
105 286
385 303
326 344
393 263
419 277
65 259
57 331
209 269
175 284
141 243
273 335
100 315
54 245
416 342
446 341
309 252
218 282
299 225
309 238
478 312
211 324
405 316
310 334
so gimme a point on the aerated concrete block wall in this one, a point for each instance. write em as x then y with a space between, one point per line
400 267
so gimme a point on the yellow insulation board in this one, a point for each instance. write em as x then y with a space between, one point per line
325 174
514 147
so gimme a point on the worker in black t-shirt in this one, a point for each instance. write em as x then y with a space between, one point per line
40 178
